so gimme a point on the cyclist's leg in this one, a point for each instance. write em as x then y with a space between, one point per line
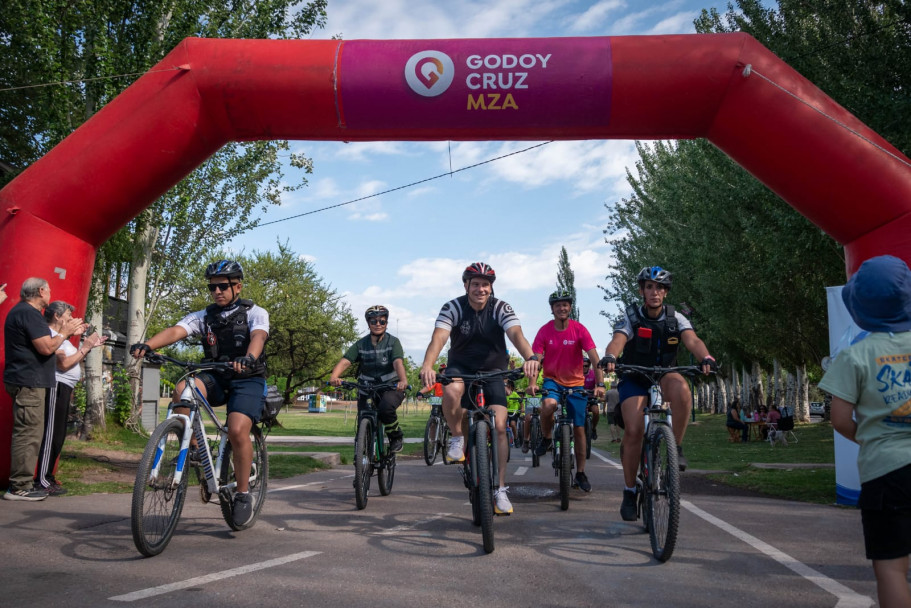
245 406
548 408
452 407
502 441
207 386
576 407
596 416
389 403
675 389
634 426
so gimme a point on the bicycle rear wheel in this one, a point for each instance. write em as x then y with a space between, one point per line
363 459
157 501
565 455
588 436
662 488
432 439
534 440
484 481
259 480
386 472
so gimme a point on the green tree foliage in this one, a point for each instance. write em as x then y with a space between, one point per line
752 269
310 324
567 280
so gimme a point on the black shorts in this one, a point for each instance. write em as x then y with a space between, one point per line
885 508
244 395
494 390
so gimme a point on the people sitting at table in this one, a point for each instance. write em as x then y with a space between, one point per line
774 415
734 421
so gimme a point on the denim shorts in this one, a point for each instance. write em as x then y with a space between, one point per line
244 395
576 403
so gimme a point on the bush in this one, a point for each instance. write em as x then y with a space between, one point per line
123 396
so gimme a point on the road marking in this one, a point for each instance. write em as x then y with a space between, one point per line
521 470
312 483
609 461
209 578
847 598
411 526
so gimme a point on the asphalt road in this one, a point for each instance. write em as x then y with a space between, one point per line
417 547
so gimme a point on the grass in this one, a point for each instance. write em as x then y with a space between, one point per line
707 448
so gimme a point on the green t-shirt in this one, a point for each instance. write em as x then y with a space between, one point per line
875 375
375 361
513 402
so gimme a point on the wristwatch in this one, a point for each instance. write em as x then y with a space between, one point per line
533 358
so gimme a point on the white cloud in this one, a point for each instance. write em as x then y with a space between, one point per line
594 19
675 24
360 151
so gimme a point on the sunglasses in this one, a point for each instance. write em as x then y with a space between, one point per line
377 321
220 286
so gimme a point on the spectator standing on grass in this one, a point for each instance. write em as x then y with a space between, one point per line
869 385
58 398
29 373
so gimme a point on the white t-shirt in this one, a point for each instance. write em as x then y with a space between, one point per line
71 376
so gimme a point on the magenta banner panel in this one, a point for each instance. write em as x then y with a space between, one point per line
474 84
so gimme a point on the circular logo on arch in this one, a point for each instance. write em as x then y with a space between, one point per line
429 73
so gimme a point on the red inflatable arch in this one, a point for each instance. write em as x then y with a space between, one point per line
727 88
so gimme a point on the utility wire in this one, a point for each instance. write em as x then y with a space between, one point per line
50 84
423 181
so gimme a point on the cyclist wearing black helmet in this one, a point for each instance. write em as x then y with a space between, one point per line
649 335
561 345
379 355
234 330
477 325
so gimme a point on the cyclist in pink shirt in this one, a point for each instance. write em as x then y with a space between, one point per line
560 346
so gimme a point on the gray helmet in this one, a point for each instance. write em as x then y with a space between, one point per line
561 295
657 274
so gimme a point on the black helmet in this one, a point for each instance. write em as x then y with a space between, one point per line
225 268
657 274
479 270
561 295
376 311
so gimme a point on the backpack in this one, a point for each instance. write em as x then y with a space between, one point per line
272 405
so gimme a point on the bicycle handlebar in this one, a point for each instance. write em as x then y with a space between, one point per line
655 374
511 374
369 386
190 366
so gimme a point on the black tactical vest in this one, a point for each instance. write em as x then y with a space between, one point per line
661 348
229 337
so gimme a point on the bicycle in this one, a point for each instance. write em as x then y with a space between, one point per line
658 479
436 433
371 445
589 426
161 482
535 434
480 468
564 442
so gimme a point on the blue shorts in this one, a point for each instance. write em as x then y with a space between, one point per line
244 395
576 403
632 387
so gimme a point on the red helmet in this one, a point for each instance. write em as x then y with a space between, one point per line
479 270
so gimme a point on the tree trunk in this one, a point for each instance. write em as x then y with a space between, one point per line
94 387
143 245
776 384
745 384
757 391
721 402
803 394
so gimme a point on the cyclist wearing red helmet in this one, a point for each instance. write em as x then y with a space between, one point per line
649 335
477 325
379 355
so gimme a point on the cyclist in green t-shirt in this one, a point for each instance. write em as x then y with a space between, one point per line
513 403
379 356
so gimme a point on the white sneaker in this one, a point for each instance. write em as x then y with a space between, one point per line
501 504
456 451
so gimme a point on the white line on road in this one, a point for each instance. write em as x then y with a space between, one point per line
603 458
209 578
411 526
847 598
312 483
521 470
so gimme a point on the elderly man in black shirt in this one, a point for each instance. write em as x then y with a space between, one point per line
30 370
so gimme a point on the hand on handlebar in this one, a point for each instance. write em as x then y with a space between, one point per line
335 381
709 365
608 362
139 350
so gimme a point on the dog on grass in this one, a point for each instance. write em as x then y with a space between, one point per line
776 436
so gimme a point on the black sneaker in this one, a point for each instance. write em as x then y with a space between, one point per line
594 434
582 482
628 506
243 508
32 494
55 489
395 444
544 447
525 447
681 459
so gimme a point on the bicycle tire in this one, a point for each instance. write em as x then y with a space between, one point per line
566 456
588 436
662 500
363 462
484 483
534 438
431 440
259 480
156 504
386 472
444 441
520 432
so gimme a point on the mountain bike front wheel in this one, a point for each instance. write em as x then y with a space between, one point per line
484 481
588 436
662 493
432 440
363 462
157 500
534 439
564 453
258 484
386 472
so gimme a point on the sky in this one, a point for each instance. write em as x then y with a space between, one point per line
406 249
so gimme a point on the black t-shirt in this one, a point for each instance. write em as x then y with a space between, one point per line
477 338
25 366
